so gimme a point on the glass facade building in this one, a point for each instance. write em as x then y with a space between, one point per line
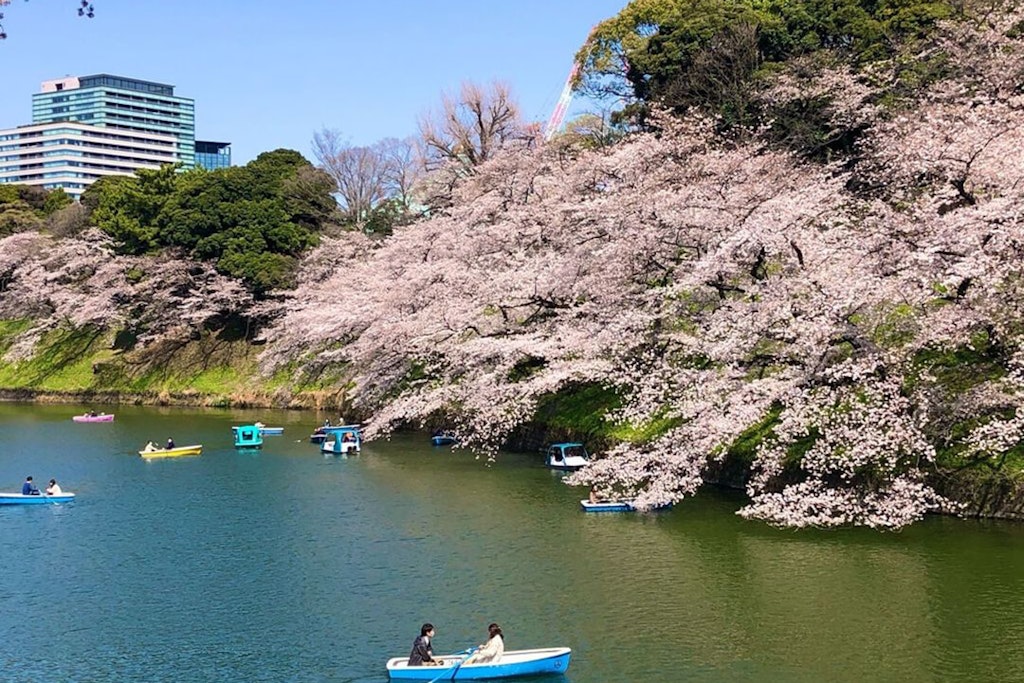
212 155
86 127
122 103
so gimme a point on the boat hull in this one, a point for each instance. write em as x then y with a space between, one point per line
554 660
21 499
340 448
93 418
173 452
442 440
566 467
613 506
271 431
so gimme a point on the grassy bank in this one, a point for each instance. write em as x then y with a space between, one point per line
93 365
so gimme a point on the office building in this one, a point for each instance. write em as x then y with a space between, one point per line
73 155
86 127
121 103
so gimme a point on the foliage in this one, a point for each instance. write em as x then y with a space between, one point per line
25 207
722 58
734 296
251 221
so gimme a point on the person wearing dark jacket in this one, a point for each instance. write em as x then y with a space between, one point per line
422 653
28 488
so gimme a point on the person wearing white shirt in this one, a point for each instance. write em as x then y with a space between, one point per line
492 650
53 489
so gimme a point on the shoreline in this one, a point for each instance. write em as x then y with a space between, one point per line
334 401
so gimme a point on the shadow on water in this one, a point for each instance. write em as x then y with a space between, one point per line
286 565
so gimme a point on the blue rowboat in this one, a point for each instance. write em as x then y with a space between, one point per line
613 506
271 431
443 440
21 499
552 660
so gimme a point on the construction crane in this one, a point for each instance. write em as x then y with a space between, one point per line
558 115
562 107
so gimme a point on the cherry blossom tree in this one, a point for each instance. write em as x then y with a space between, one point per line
81 282
720 289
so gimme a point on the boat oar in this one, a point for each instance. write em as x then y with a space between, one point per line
450 673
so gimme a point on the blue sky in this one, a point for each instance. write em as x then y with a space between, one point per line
268 74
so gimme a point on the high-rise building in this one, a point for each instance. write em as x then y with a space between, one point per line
85 127
122 103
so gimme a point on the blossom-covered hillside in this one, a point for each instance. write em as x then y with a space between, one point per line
851 330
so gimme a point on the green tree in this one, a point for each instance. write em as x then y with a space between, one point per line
710 54
252 221
55 201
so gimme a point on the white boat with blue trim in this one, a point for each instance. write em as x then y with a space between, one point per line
551 660
614 506
37 499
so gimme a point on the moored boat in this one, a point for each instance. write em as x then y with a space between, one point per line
177 451
443 439
266 431
248 436
102 417
613 506
552 660
566 456
22 499
342 440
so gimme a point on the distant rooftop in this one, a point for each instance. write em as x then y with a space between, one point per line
126 84
109 81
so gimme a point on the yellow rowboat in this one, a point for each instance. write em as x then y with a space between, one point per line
172 452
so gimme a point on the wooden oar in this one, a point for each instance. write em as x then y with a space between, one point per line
450 673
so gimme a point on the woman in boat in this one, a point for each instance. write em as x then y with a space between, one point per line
422 652
492 650
53 489
170 443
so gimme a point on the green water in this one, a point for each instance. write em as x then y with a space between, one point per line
285 565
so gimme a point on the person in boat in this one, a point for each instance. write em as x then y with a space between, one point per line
348 437
29 488
492 650
327 422
170 443
92 413
53 489
422 652
598 496
150 447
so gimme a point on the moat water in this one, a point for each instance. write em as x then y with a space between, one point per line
286 565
